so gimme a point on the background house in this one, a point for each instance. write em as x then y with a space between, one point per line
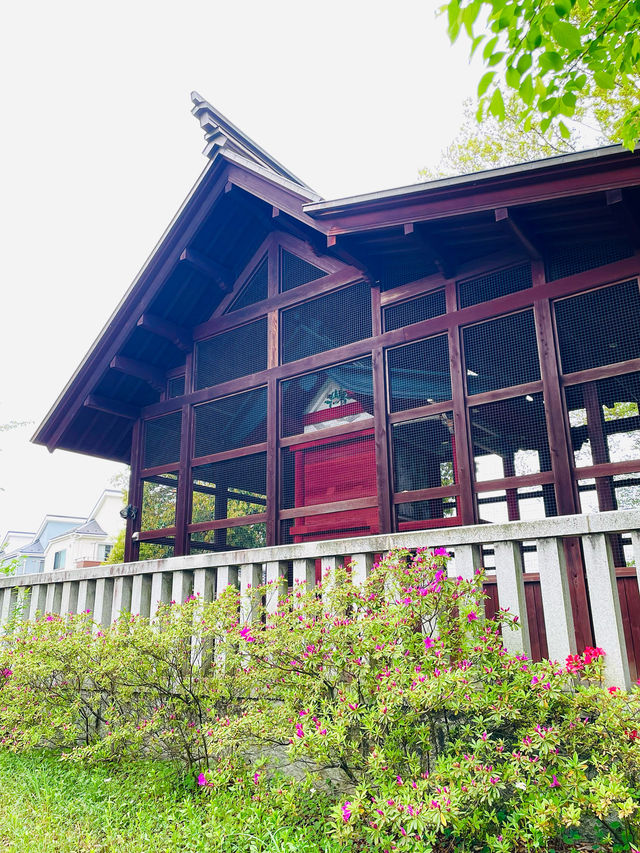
66 542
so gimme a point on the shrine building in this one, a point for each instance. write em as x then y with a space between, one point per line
287 369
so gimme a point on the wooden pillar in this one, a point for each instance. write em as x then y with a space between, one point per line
132 548
383 480
184 490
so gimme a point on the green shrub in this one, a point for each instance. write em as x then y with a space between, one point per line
399 692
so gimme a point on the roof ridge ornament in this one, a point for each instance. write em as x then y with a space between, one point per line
220 133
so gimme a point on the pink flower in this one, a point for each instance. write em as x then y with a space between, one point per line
534 680
428 643
202 781
471 617
399 780
554 782
346 811
246 635
440 552
613 690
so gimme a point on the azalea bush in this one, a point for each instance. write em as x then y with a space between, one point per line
396 699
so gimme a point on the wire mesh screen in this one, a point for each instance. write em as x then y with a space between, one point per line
570 260
330 321
327 470
256 288
501 353
415 310
231 422
599 327
510 438
419 373
162 440
337 396
238 352
405 271
329 525
233 488
159 496
295 271
528 503
424 454
418 515
175 387
156 551
229 538
493 285
618 491
604 420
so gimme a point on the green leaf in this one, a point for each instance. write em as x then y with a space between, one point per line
513 78
564 130
604 80
526 90
496 58
524 63
488 48
485 82
496 105
550 60
562 7
567 35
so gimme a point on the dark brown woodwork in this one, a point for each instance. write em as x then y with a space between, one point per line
112 407
383 474
505 393
595 373
625 216
324 509
151 535
234 453
153 376
426 494
330 432
464 451
420 412
179 337
273 467
443 264
184 492
539 479
158 470
608 469
222 523
218 273
512 222
134 497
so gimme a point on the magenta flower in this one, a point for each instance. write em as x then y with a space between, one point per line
471 617
202 781
428 643
440 552
554 782
346 811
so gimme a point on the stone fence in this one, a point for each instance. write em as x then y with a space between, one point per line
109 590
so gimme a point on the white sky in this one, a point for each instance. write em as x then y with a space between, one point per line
99 149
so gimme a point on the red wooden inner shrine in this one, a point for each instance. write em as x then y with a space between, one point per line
287 369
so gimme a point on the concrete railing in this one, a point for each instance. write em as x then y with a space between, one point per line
109 590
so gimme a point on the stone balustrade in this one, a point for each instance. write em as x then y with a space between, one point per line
109 590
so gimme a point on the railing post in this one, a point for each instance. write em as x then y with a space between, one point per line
160 592
226 576
103 602
328 567
277 589
556 599
121 597
361 568
69 599
468 559
38 600
635 544
250 581
204 584
141 595
304 571
605 608
5 609
511 596
181 586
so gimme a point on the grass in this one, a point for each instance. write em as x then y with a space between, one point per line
51 806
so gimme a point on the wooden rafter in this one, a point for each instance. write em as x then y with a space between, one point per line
167 329
217 272
441 261
519 231
141 370
346 257
112 407
626 217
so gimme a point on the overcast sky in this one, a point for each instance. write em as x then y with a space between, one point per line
99 149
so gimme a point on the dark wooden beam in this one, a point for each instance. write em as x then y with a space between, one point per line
167 329
443 264
511 221
218 273
141 370
346 257
112 407
626 217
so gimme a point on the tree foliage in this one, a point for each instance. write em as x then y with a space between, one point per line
553 55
